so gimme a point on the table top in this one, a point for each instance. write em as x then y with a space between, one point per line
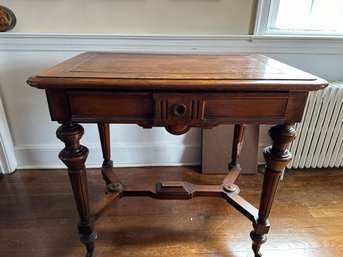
209 72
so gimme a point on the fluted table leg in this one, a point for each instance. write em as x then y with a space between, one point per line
277 157
74 156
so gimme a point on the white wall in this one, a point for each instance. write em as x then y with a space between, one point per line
127 17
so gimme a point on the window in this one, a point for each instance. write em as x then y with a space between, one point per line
300 17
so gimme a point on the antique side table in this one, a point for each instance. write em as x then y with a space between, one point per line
175 91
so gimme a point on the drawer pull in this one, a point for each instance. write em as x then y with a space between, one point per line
179 109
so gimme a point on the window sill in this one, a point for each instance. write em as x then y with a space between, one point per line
298 37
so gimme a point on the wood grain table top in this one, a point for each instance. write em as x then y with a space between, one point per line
210 72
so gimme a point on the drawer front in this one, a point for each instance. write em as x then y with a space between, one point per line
227 107
214 108
111 106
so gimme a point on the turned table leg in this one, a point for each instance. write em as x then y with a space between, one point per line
74 156
277 157
107 170
237 143
234 167
104 133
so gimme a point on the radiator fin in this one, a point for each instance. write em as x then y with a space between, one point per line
319 142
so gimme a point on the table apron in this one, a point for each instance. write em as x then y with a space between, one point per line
203 109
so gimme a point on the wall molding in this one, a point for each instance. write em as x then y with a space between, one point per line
123 155
170 43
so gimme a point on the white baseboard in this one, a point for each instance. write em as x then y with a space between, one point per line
134 155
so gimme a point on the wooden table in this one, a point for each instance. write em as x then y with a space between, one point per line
176 92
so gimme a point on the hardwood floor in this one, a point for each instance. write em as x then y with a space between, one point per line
38 217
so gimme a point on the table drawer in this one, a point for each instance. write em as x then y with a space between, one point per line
111 106
206 108
228 107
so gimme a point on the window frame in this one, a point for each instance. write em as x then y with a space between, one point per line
267 8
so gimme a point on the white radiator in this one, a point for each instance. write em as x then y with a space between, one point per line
319 142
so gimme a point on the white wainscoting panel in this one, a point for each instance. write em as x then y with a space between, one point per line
123 155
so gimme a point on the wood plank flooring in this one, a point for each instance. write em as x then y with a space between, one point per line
38 217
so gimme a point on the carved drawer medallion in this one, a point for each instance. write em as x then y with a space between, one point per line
178 108
178 112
